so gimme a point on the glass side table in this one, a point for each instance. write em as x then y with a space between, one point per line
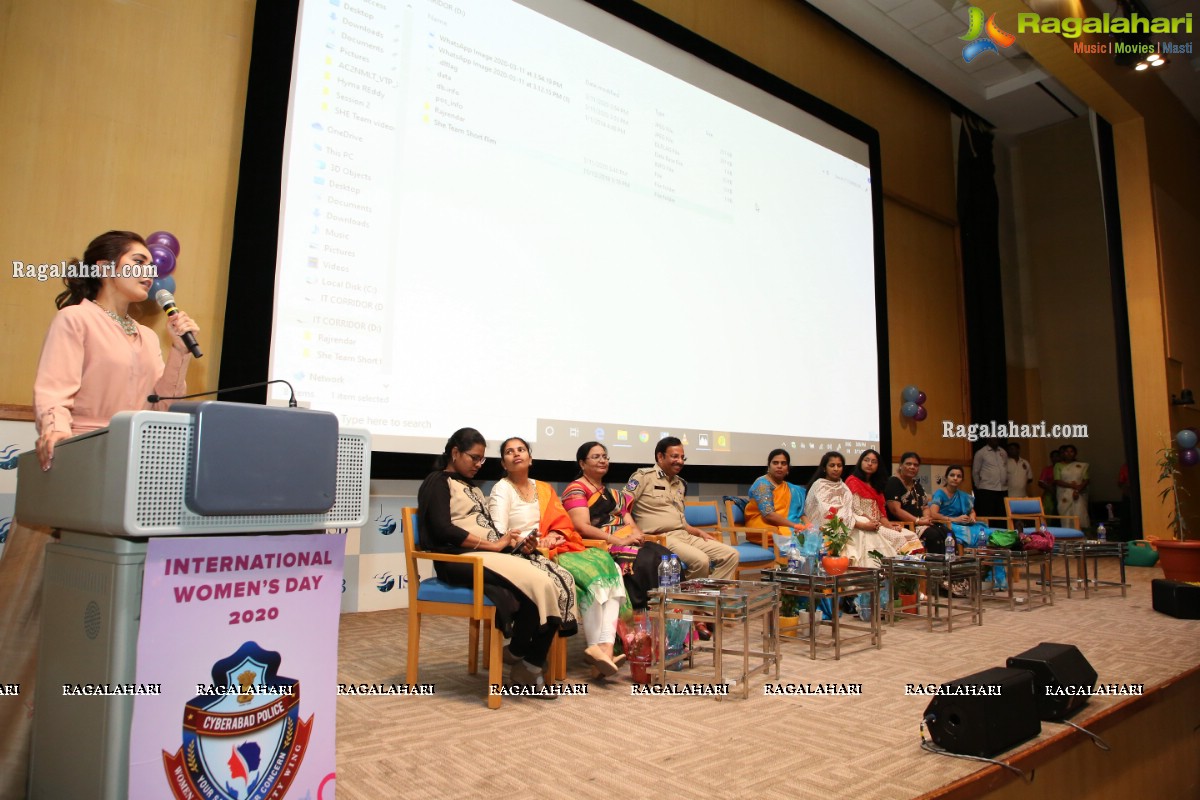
721 604
1085 551
856 581
1027 562
934 573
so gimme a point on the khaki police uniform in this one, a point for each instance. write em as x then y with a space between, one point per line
658 508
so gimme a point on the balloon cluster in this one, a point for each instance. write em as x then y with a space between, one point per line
1189 456
914 403
164 252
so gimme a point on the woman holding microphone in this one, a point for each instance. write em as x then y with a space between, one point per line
96 360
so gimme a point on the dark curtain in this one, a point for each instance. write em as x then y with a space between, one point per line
1131 509
978 220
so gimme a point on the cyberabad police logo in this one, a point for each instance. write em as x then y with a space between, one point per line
246 740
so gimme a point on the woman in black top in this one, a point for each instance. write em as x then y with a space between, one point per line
532 603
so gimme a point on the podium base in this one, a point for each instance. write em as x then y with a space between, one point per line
91 604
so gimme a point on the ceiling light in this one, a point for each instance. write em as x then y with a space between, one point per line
1141 66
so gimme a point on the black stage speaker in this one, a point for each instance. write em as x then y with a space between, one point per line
1175 598
1062 677
985 713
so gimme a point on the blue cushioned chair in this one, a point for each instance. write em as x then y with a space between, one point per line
434 596
735 520
1030 509
751 557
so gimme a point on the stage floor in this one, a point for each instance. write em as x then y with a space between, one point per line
609 743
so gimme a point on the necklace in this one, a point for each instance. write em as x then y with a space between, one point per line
532 492
588 481
127 324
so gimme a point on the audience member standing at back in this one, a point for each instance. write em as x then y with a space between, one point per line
1020 474
1071 478
1049 488
989 474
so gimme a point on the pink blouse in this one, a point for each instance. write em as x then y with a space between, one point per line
90 370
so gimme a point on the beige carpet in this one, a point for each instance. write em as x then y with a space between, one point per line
611 744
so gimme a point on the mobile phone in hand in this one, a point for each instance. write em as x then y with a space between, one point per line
521 541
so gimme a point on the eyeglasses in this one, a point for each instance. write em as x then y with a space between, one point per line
598 457
476 460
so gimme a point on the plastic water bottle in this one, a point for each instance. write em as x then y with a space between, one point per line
1101 533
793 558
949 545
664 574
676 573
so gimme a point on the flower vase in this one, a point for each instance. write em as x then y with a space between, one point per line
835 565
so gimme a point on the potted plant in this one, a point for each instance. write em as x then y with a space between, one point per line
906 588
789 616
837 535
1179 558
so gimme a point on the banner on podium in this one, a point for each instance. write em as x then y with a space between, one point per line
240 633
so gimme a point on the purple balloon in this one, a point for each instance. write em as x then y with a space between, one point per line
162 258
1189 457
921 398
164 238
921 413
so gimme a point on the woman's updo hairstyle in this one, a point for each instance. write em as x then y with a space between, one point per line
105 248
464 439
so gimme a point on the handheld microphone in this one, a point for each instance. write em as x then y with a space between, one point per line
166 301
154 398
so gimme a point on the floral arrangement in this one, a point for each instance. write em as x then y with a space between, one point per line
836 533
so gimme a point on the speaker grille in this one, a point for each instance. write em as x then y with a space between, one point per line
91 620
162 472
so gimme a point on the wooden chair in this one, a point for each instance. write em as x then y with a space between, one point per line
1029 509
735 518
751 557
434 596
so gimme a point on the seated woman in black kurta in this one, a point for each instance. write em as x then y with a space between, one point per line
532 602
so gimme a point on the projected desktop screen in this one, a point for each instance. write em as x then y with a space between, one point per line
541 221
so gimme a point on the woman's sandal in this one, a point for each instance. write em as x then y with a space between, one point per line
599 661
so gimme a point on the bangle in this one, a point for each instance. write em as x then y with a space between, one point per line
476 545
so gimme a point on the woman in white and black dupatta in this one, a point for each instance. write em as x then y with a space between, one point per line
534 602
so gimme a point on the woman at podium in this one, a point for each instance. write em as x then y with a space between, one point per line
96 360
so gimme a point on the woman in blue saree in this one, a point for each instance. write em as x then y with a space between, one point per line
956 508
775 503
